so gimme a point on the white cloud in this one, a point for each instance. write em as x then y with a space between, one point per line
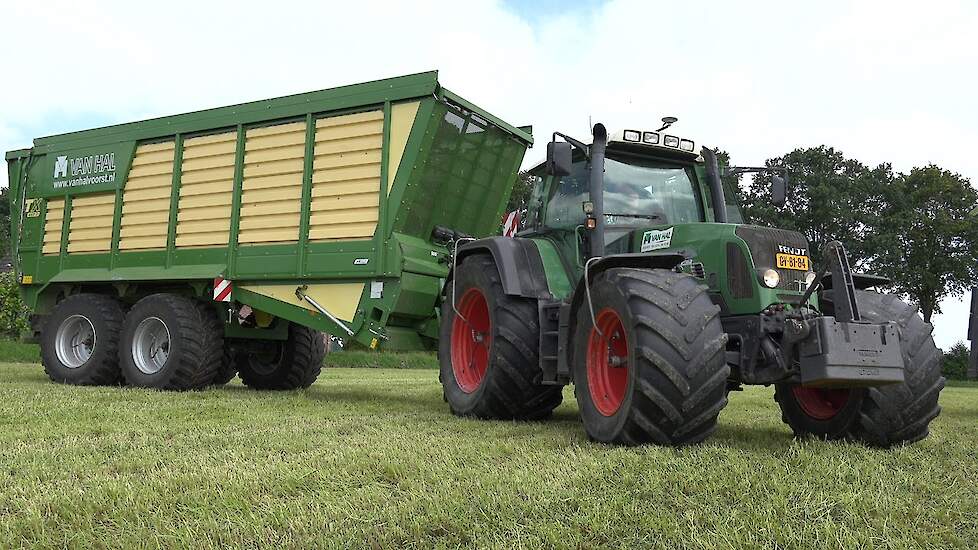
883 81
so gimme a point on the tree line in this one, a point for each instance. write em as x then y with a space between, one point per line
919 229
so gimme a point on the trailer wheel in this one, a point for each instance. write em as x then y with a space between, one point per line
489 356
228 369
171 342
284 365
651 368
879 416
80 341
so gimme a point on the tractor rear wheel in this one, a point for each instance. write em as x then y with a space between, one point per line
283 364
171 342
489 354
80 341
651 367
879 416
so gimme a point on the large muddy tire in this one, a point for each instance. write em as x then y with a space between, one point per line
171 342
652 368
80 341
490 359
283 364
879 416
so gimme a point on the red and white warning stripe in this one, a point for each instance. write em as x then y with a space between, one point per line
511 223
222 289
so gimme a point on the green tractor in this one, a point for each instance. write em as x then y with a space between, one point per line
634 278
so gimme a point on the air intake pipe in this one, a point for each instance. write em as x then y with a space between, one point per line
598 145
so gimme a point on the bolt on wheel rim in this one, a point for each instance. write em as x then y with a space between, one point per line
471 340
607 362
151 345
74 343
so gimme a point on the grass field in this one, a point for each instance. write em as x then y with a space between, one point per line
371 457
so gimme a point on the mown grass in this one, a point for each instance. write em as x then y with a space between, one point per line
372 458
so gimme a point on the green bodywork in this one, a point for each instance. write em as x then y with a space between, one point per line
457 171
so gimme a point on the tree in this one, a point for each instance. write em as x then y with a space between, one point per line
955 364
829 198
922 236
521 191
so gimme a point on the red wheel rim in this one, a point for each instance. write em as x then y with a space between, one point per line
471 340
821 403
607 362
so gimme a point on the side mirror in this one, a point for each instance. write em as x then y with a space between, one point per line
558 158
779 190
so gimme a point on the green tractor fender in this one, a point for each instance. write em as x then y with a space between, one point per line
518 261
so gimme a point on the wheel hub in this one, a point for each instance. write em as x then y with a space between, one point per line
151 345
471 340
607 362
74 342
821 403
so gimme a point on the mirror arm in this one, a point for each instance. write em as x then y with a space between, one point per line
584 148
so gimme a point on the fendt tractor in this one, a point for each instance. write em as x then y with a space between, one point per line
180 252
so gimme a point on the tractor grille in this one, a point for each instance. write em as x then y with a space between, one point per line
738 273
763 244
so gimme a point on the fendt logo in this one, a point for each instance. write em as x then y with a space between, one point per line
792 250
61 167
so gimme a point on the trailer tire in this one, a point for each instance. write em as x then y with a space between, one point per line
73 360
187 333
500 378
228 369
288 365
656 370
887 415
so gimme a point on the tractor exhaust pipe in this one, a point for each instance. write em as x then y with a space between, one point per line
598 145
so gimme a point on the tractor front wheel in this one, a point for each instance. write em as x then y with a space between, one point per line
879 416
650 367
489 351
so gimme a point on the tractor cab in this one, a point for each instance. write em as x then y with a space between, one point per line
650 180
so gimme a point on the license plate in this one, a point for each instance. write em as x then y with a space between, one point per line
791 261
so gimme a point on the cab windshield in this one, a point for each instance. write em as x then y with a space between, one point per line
636 192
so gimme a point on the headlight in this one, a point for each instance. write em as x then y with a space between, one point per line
651 138
771 278
809 278
671 141
686 145
632 135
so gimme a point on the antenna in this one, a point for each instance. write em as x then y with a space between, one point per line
667 121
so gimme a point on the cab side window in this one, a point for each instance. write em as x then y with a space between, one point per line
565 203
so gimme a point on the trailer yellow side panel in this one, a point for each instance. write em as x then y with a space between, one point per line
271 195
346 177
206 186
90 225
146 198
402 120
52 226
340 299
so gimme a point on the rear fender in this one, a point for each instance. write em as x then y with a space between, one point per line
518 262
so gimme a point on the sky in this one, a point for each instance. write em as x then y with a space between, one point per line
881 81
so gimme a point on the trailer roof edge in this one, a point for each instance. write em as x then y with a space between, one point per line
365 93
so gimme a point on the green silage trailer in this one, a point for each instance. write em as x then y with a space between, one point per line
223 241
